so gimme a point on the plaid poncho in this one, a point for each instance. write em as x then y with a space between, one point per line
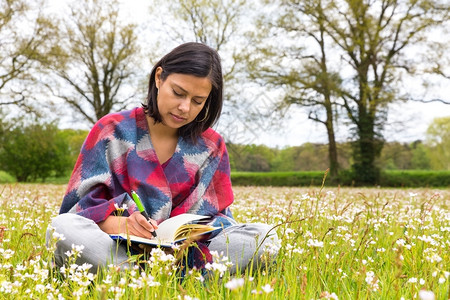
118 157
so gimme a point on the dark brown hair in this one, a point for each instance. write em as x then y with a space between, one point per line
191 59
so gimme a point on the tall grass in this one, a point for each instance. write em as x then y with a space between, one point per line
347 243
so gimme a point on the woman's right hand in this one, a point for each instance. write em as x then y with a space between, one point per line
136 224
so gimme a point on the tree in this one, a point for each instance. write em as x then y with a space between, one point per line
74 139
96 60
222 25
369 43
438 138
251 158
32 151
26 37
420 156
396 156
215 23
314 83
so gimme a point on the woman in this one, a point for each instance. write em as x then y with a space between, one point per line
168 153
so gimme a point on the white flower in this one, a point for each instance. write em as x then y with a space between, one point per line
314 243
78 248
372 281
289 231
267 288
107 280
58 236
433 257
234 283
40 288
422 281
327 295
7 254
426 295
272 248
441 280
221 268
412 280
186 297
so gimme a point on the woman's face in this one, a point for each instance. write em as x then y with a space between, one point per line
181 97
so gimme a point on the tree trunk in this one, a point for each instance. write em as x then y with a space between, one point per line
332 156
332 148
367 149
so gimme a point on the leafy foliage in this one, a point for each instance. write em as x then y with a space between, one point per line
438 136
34 151
347 56
313 157
389 178
6 178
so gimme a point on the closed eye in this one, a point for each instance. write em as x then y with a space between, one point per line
177 94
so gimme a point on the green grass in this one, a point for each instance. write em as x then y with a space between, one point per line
358 243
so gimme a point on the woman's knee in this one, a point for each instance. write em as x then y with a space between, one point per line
67 229
267 238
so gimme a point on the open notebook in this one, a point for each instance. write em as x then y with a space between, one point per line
173 230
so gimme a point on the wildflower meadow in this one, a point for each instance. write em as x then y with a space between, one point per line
335 243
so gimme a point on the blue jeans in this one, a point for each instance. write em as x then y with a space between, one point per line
240 243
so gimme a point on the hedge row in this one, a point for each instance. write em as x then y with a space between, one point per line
410 178
419 178
277 178
387 179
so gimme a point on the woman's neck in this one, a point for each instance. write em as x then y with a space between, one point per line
164 140
161 131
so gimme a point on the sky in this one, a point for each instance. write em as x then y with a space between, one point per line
407 122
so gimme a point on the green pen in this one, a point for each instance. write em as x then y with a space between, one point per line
141 208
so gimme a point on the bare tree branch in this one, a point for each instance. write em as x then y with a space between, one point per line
431 100
96 61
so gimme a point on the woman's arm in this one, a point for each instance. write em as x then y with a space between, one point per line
94 191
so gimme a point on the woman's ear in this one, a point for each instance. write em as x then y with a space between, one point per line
158 77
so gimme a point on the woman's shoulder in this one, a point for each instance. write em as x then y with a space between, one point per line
212 136
117 117
122 120
213 141
112 125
